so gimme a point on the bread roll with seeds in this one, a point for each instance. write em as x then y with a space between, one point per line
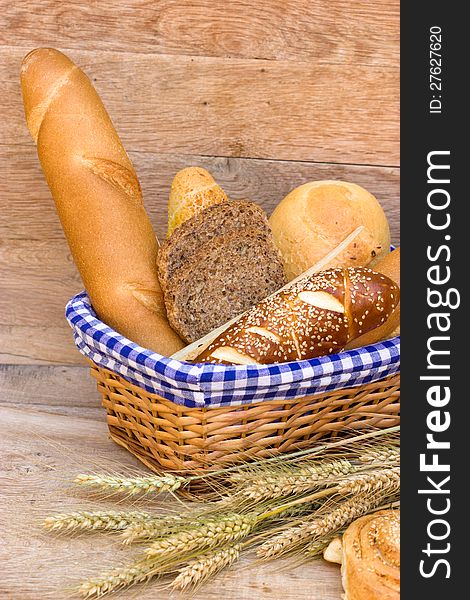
389 266
193 189
98 198
313 317
370 557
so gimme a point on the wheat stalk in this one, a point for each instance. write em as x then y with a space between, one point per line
109 520
318 546
118 578
132 485
210 534
314 548
370 482
151 528
321 497
292 479
204 567
388 455
170 483
316 527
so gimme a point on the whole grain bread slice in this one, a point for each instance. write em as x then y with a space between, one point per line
204 251
226 276
214 221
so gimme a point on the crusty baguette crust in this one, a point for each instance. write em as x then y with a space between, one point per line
98 198
193 189
316 316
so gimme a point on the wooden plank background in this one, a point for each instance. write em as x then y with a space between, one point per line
266 96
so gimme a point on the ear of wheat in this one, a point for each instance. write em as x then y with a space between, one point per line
117 578
206 566
368 491
154 484
289 504
317 527
388 455
110 520
152 528
292 479
364 483
213 533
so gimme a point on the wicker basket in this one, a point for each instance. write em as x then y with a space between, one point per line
185 417
165 435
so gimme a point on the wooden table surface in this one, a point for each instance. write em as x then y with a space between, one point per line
266 96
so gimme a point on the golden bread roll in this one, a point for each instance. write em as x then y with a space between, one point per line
315 217
389 266
98 199
370 557
192 190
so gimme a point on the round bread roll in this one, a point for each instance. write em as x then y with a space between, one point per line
389 266
315 217
370 557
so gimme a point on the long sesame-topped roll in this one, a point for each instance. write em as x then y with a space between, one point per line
314 317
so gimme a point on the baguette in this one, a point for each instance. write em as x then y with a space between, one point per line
316 316
98 199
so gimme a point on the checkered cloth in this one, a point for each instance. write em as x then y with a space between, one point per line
194 385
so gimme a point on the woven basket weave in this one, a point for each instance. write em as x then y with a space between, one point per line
165 435
181 416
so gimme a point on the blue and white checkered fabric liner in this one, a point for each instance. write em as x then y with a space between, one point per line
194 385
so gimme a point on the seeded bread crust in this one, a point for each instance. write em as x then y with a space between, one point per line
314 317
371 557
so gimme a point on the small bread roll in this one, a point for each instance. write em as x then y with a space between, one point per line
334 551
389 266
315 217
192 190
370 557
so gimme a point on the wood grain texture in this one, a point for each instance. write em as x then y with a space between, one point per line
266 96
43 445
38 344
28 210
239 107
334 31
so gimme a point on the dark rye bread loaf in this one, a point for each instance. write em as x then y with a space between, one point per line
216 265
